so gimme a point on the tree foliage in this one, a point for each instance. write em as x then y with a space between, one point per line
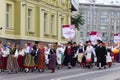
77 20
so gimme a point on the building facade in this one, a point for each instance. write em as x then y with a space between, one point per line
34 20
105 19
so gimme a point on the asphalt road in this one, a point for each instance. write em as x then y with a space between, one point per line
76 73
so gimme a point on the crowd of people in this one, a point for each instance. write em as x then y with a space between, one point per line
41 56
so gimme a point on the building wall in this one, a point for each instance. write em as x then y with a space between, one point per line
18 23
107 21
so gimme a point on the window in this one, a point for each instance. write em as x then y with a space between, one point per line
45 22
103 20
104 35
8 15
52 24
30 21
103 13
103 27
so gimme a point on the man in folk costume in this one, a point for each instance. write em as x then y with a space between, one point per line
29 63
68 55
74 55
59 53
101 53
89 51
12 64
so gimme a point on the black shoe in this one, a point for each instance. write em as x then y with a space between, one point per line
69 67
104 67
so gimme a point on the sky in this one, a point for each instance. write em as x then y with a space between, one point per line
108 2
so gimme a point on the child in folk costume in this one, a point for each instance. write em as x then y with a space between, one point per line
59 53
12 64
41 57
29 63
89 51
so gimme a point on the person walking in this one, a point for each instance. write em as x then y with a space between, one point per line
89 51
101 53
52 59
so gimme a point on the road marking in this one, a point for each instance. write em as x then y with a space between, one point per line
78 75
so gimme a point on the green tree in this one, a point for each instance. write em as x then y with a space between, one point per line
77 20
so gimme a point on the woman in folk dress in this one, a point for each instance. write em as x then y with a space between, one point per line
29 63
80 53
89 51
41 57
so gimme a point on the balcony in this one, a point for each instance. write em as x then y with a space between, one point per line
75 5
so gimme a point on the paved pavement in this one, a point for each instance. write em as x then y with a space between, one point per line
76 73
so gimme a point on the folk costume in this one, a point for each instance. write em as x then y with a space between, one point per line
29 63
101 53
41 60
12 64
52 60
89 51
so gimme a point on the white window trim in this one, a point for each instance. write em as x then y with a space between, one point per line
11 21
32 20
43 11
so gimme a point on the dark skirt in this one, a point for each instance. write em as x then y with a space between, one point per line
52 61
3 62
41 61
20 61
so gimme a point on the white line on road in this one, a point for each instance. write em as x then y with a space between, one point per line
77 75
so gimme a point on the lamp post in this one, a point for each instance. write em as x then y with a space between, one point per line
94 15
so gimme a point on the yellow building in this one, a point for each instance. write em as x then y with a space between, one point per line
34 20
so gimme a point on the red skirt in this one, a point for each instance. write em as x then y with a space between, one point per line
4 62
20 61
115 57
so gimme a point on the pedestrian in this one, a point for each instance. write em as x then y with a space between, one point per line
52 59
101 53
12 64
89 51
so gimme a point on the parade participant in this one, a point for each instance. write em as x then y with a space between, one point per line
29 63
74 55
59 53
20 59
12 64
52 59
68 55
101 53
41 57
47 51
89 51
1 55
80 52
